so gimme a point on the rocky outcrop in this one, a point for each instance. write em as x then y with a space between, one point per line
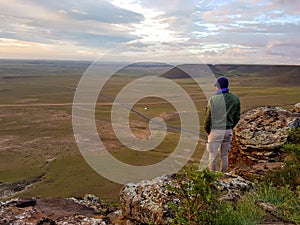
260 133
147 202
54 211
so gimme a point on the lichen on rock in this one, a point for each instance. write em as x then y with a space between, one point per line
260 133
147 201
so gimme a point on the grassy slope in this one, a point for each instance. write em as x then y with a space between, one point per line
37 140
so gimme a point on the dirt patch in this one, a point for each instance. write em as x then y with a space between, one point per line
169 115
6 142
47 211
28 100
55 208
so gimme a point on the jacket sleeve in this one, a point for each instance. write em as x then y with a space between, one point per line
237 114
207 119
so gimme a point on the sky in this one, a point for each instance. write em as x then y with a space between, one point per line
215 31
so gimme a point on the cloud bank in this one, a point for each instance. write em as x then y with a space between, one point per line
234 31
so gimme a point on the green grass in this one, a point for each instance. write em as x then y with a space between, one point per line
20 173
246 212
71 176
156 155
285 201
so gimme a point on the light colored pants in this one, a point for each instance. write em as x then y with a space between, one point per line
219 140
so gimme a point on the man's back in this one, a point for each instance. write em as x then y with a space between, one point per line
232 113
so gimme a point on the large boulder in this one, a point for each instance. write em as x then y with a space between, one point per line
147 201
260 133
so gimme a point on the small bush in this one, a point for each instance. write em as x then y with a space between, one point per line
293 145
294 136
293 150
198 197
199 202
289 174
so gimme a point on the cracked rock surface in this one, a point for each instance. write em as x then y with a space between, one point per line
260 133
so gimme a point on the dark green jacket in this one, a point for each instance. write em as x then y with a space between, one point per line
222 112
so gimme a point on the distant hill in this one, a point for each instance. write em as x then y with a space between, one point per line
175 73
143 69
274 74
283 75
264 74
185 70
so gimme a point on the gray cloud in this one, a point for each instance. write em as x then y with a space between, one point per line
220 29
101 11
89 23
288 6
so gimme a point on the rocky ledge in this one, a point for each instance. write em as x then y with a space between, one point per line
55 211
260 133
147 202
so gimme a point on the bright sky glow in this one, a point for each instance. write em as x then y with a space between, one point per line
216 31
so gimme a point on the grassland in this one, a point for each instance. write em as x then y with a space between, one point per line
36 135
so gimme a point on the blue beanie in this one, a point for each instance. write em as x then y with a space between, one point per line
222 82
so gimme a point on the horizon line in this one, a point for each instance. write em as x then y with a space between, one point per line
124 62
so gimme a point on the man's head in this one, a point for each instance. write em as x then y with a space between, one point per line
222 82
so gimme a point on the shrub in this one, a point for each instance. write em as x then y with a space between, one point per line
197 191
293 145
294 136
289 174
199 202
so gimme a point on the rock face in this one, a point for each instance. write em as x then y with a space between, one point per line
257 171
147 202
59 211
260 133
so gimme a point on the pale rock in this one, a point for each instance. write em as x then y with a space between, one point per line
293 124
147 201
260 133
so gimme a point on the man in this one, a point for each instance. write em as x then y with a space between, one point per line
221 116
